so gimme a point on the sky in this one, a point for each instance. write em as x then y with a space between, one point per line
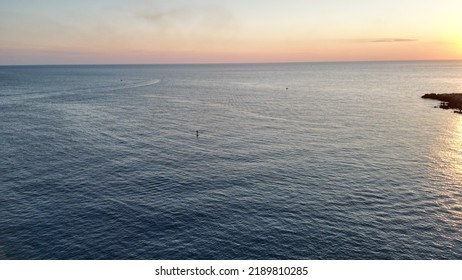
227 31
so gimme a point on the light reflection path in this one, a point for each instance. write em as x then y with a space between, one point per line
448 153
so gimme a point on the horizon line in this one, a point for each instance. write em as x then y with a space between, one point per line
234 63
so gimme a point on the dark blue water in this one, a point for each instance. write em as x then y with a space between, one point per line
103 162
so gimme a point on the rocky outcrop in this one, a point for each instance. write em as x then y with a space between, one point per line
448 100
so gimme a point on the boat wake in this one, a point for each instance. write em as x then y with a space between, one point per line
113 87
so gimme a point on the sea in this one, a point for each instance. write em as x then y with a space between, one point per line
230 161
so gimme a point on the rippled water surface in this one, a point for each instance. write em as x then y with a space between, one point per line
103 162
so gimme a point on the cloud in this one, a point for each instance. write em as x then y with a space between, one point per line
190 27
178 14
391 40
203 17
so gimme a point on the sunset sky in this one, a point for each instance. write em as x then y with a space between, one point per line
222 31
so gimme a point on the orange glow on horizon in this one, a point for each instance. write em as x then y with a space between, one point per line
228 32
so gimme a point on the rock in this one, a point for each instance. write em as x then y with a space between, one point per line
448 100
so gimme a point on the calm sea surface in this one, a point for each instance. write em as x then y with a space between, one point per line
103 162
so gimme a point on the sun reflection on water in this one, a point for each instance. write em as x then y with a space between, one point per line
454 153
448 173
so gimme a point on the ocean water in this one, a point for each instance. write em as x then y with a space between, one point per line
292 161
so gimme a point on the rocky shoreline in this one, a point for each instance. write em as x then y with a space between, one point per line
448 100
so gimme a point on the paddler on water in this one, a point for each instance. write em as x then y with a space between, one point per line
197 133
